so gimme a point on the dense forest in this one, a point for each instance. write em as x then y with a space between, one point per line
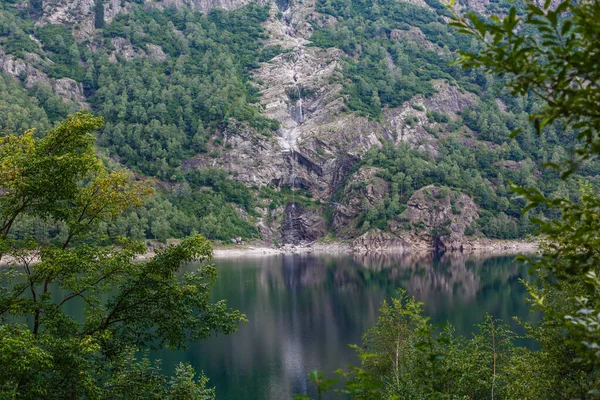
382 72
158 111
169 82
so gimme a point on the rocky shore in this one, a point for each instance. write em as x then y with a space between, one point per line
473 247
483 247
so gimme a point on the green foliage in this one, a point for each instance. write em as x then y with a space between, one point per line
142 379
36 8
21 110
13 37
405 357
161 112
321 383
60 45
211 204
380 62
219 181
565 35
99 14
409 359
568 42
269 52
128 305
469 170
383 70
158 111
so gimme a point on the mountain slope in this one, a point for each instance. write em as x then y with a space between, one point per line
330 116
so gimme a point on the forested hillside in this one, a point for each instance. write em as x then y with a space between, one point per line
283 121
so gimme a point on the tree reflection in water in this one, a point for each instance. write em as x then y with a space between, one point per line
304 309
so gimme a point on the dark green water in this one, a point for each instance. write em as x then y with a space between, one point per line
303 311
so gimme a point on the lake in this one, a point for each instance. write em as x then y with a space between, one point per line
304 309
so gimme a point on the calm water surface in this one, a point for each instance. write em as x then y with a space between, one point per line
303 310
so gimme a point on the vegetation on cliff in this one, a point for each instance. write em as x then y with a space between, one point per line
404 356
169 82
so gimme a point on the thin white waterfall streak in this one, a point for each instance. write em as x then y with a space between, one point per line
290 134
299 105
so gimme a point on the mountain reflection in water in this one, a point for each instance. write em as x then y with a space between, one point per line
304 310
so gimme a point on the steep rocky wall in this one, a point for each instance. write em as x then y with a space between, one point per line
26 70
436 218
206 5
364 191
80 14
302 225
320 141
442 214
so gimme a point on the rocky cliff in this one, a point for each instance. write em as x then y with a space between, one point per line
319 142
318 149
436 218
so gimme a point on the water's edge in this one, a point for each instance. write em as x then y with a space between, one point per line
476 247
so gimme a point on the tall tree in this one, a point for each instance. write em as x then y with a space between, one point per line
99 14
36 8
128 305
552 51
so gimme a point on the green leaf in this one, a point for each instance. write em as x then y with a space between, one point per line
566 27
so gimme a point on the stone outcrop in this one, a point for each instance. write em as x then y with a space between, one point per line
125 49
416 35
436 218
80 14
206 5
302 225
449 99
441 214
20 69
365 190
68 89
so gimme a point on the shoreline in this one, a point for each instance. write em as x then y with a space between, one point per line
476 247
483 247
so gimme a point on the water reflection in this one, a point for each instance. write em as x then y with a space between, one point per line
304 309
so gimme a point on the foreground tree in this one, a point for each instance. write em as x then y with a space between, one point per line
48 347
553 52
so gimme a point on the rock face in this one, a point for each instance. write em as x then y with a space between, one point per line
365 190
449 99
302 225
207 5
319 143
68 89
442 214
21 69
80 13
436 218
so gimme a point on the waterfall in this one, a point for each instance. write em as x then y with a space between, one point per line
289 135
299 105
293 180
